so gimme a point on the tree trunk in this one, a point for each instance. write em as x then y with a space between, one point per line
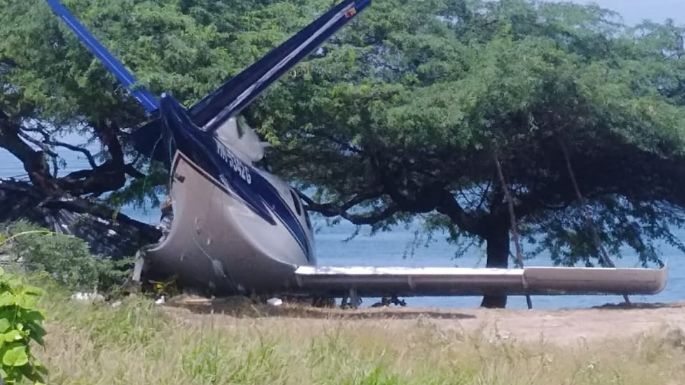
33 161
498 257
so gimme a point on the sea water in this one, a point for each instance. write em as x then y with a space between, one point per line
396 248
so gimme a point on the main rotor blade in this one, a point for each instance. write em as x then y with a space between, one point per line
238 92
125 77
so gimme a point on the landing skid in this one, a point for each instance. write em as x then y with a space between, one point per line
354 283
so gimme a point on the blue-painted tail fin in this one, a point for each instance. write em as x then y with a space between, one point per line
144 97
238 92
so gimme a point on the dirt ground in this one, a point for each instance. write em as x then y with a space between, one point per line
553 326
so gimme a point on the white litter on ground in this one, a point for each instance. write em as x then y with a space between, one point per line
274 301
87 297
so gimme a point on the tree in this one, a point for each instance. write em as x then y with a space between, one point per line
52 87
410 111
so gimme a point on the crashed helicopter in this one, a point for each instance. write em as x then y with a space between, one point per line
237 229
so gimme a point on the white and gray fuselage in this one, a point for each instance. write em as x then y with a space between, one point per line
216 240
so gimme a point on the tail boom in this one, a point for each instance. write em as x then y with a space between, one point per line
432 281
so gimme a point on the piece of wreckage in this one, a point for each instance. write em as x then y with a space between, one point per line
237 229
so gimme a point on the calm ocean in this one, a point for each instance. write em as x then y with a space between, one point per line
390 249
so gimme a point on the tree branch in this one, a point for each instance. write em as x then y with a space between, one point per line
372 217
332 210
470 223
131 171
33 161
46 149
86 153
337 141
43 146
47 140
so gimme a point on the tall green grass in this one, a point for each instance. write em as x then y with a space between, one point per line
141 343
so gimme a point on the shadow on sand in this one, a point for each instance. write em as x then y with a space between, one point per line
244 307
639 306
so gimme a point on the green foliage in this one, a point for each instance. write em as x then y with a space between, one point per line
403 108
185 47
65 258
622 227
411 103
20 325
426 78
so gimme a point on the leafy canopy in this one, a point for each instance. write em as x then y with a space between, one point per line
405 112
65 258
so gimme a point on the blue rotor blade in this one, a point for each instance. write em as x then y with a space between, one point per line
238 92
149 102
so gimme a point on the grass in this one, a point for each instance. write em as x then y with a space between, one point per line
141 343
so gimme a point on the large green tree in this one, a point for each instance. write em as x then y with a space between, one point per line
444 108
449 107
52 88
51 85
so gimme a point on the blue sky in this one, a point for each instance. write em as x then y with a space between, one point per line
634 11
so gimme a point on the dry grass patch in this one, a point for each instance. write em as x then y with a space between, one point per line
140 343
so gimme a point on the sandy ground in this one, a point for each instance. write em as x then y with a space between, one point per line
556 326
